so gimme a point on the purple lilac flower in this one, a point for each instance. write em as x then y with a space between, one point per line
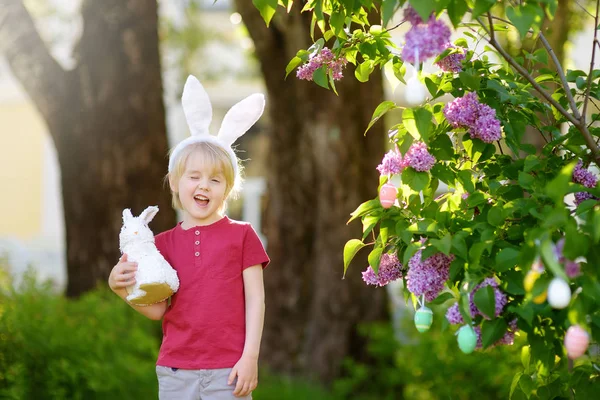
580 197
425 40
452 62
324 58
479 118
462 111
428 277
391 163
572 268
418 157
453 315
584 176
486 127
390 269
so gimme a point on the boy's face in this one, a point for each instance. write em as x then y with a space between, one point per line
201 190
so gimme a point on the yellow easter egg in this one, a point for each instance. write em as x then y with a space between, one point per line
530 279
539 299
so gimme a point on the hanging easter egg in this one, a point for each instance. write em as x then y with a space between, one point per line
577 341
467 339
559 293
423 319
530 279
387 195
415 92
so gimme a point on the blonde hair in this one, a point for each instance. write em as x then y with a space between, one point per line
217 158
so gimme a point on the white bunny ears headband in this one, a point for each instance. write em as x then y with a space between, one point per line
198 113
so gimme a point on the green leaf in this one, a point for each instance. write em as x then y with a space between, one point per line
482 6
423 7
441 147
387 10
364 208
525 18
416 180
466 179
424 226
557 188
547 250
470 79
418 123
485 300
459 245
456 11
364 70
506 259
266 8
294 62
441 299
444 244
375 258
514 384
410 251
495 216
492 331
320 77
380 111
350 249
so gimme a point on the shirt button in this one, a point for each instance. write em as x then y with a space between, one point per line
197 242
197 254
197 233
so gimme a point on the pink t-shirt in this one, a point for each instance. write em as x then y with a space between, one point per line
205 326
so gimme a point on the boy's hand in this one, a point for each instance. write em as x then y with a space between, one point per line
246 370
122 274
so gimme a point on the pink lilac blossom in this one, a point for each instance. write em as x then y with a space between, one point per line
452 62
418 157
324 58
428 277
453 315
390 269
479 118
391 163
425 40
462 111
586 178
486 127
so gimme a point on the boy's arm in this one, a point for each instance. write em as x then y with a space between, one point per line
123 275
246 368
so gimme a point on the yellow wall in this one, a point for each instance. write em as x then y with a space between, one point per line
21 170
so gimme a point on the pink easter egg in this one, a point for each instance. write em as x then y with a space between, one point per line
387 195
577 341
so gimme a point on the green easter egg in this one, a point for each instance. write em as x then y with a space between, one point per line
423 319
467 339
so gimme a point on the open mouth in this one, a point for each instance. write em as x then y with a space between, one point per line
201 200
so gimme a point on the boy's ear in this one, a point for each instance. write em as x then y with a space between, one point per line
172 184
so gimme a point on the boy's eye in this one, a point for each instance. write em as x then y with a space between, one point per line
193 177
216 180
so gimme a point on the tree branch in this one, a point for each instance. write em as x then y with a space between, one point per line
589 80
561 75
575 121
32 64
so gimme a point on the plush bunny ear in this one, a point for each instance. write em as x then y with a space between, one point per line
148 214
196 106
127 215
241 117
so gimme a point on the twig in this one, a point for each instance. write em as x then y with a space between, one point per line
562 76
589 80
584 10
575 121
500 146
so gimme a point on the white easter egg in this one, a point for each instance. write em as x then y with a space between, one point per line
559 293
415 92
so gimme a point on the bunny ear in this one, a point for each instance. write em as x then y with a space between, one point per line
196 106
148 214
127 215
241 117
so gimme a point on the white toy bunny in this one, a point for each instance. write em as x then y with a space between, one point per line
155 279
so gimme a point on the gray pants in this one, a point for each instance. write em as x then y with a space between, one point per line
198 384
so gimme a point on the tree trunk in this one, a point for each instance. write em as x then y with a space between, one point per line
321 167
107 120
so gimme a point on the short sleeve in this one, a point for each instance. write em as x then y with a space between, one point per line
160 241
253 253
